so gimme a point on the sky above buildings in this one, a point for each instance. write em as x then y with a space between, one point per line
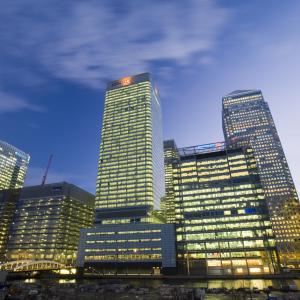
57 55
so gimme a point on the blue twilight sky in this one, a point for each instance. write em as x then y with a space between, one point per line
57 55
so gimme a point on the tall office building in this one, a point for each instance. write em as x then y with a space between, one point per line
47 223
247 120
131 169
13 166
130 236
171 155
223 225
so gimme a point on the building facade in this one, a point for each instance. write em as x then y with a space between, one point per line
171 155
131 174
47 223
129 234
247 120
13 166
223 226
128 249
8 204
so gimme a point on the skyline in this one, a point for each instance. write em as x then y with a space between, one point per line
35 96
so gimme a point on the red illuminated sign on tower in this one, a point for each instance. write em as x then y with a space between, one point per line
126 81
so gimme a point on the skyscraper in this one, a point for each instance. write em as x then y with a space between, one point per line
131 167
247 120
13 166
130 236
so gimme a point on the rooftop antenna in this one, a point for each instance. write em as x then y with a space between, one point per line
47 169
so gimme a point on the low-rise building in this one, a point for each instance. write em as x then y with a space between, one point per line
47 223
138 248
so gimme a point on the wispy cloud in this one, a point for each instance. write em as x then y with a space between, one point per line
12 103
90 41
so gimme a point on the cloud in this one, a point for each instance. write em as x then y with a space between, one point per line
12 103
90 41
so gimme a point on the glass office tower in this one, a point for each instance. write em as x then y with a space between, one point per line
247 120
171 155
13 166
130 236
223 225
131 169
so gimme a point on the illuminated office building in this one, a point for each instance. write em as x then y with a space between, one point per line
223 225
139 248
247 120
13 166
47 222
8 203
168 202
129 235
131 169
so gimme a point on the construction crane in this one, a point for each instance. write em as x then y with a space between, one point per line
47 169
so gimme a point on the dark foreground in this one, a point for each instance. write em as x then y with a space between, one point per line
110 290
